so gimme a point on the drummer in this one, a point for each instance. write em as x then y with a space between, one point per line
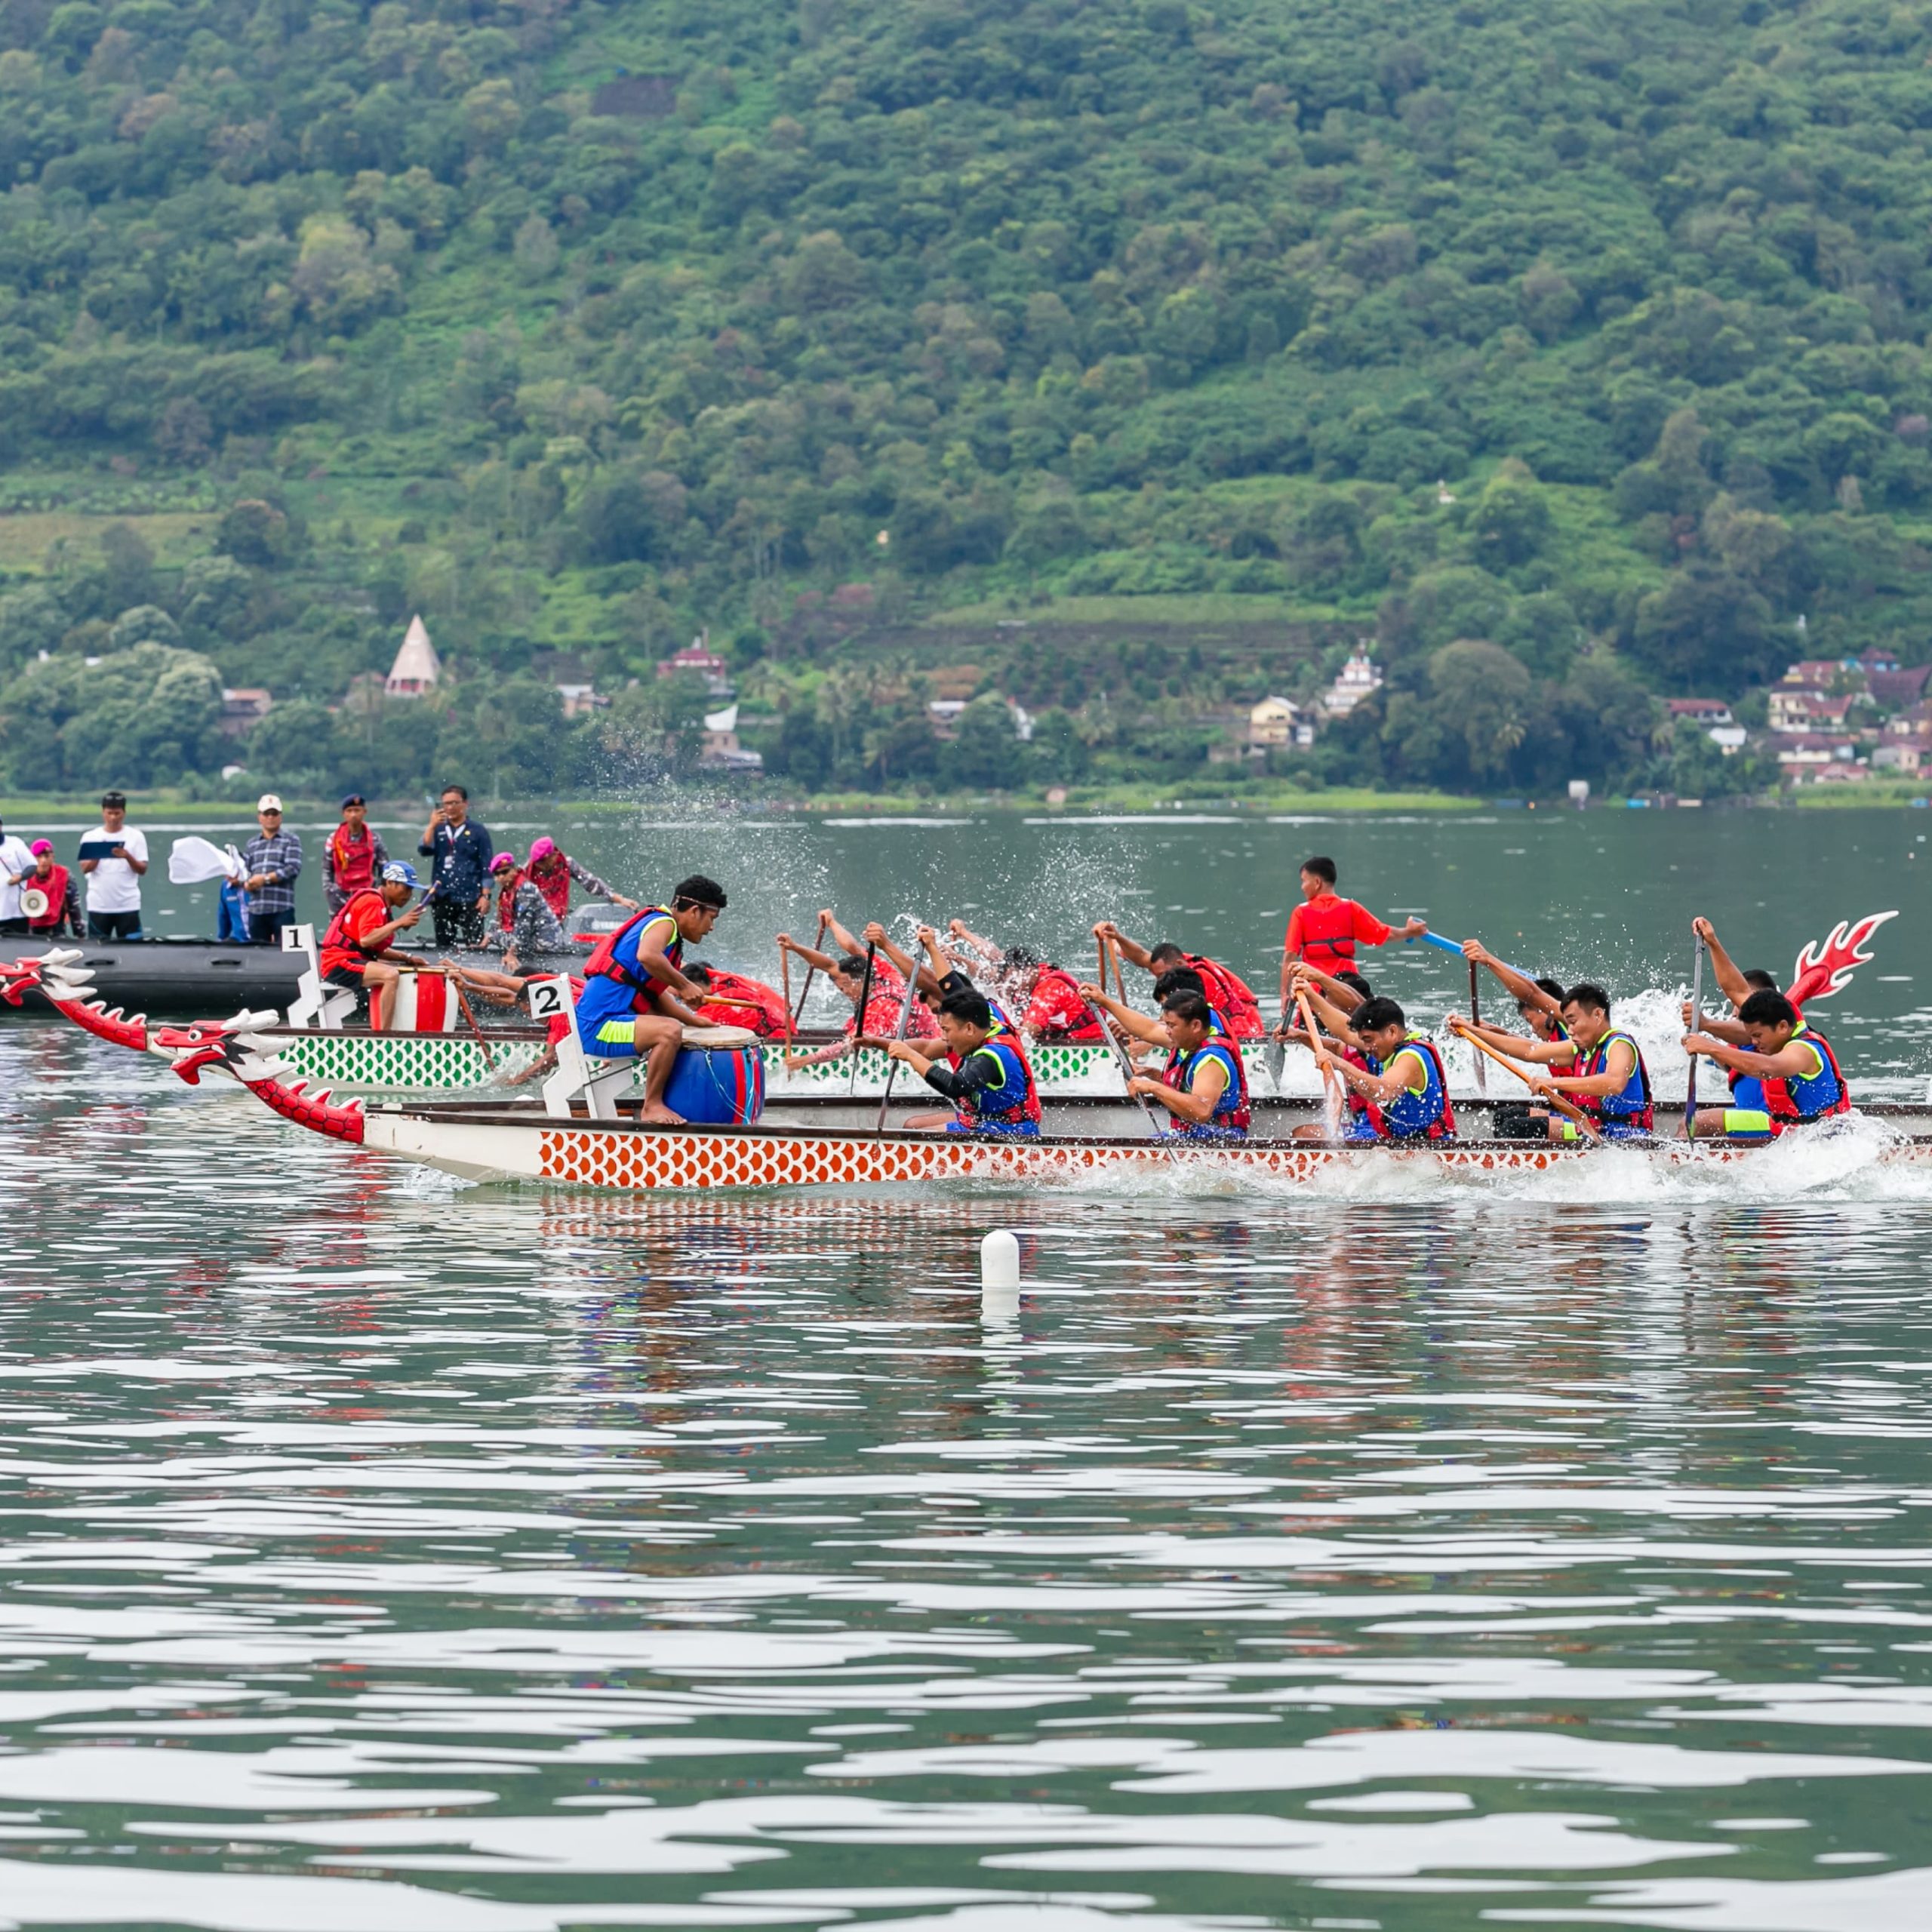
638 999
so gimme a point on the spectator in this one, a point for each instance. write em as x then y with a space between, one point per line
273 858
505 876
552 871
458 851
354 858
15 862
533 927
114 858
55 885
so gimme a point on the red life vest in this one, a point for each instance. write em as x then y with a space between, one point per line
339 950
1235 1111
55 886
354 860
1784 1107
604 963
1328 927
1083 1030
764 1014
552 878
1231 994
1617 1110
509 879
1027 1107
1443 1126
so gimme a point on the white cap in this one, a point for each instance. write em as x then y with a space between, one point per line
268 802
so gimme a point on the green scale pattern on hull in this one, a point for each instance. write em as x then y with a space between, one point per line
438 1062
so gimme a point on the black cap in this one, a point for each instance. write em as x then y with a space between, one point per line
354 798
113 798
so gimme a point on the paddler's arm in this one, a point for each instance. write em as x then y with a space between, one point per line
1729 1031
875 935
1614 1078
652 965
1731 982
1331 1016
1136 1026
810 954
840 937
985 948
1524 991
1519 1046
1135 954
1198 1104
1331 987
1796 1061
1387 1085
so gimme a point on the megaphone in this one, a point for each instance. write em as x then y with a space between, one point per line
34 902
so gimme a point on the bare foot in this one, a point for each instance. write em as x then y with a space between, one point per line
658 1114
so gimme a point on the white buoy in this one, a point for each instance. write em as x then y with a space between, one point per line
999 1260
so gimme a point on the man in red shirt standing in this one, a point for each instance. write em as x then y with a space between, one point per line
1325 929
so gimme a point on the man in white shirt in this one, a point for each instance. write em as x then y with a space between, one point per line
17 859
114 858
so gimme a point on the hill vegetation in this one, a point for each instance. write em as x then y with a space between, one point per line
1574 351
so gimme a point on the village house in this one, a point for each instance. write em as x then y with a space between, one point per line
1900 755
1277 721
1805 709
698 660
1800 753
242 708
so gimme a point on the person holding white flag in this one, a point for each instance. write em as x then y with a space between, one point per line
194 861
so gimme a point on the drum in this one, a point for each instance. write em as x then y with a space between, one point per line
717 1086
34 902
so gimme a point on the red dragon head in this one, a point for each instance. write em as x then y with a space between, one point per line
1826 968
17 978
223 1043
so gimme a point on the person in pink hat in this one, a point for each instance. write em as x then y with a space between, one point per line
551 870
54 909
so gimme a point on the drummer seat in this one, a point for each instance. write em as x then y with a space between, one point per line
315 1004
599 1081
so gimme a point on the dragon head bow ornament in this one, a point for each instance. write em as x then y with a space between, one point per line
234 1046
1826 967
67 986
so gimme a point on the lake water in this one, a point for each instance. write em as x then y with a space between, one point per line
382 1553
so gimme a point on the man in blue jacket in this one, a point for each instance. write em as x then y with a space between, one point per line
458 849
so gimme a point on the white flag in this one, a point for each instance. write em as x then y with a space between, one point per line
194 861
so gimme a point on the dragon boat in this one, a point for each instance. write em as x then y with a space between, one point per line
430 1049
582 1128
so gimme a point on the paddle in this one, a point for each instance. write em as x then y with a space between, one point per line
1126 1062
892 1065
462 1002
1697 1017
1442 945
818 946
1554 1100
1475 1020
859 1024
1332 1086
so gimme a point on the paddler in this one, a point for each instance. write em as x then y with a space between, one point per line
1204 1084
735 999
1324 929
356 949
1227 991
1798 1075
1396 1073
846 970
1539 1001
986 1077
1607 1079
1052 1008
1747 1090
638 999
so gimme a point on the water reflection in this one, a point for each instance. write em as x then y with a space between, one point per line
382 1553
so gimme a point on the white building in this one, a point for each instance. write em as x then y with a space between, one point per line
1361 678
416 668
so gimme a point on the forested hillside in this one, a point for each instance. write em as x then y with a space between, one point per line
1587 339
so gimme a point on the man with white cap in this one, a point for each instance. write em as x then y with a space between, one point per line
361 933
15 862
273 861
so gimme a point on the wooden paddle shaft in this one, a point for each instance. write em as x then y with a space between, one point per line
1329 1078
1556 1100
